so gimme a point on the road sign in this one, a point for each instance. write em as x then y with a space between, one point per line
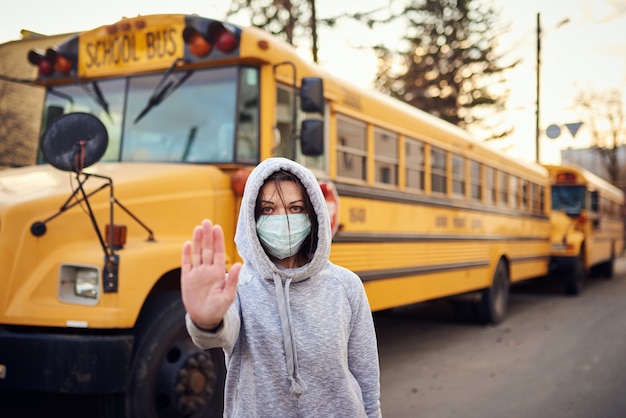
553 131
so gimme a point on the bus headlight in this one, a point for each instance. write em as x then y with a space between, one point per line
79 284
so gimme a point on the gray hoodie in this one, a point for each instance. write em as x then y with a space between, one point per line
298 342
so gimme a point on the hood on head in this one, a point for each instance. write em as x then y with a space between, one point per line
246 239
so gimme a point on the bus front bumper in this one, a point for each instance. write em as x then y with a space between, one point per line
63 362
561 264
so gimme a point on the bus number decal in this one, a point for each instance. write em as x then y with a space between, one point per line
441 221
357 215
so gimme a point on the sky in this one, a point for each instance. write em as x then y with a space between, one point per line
588 53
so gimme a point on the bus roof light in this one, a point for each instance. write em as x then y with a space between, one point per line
42 61
565 177
62 64
198 45
224 39
50 62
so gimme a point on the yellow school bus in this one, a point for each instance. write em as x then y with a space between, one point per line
587 225
150 125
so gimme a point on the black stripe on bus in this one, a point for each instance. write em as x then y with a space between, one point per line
370 275
366 192
417 270
384 237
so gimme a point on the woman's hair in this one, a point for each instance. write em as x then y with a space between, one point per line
310 243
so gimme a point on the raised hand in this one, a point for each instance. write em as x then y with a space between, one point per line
207 291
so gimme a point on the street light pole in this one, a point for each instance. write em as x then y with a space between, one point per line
537 108
537 115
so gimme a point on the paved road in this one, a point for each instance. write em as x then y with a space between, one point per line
554 356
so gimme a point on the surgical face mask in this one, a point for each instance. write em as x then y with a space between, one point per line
282 235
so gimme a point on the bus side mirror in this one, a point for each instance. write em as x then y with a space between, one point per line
594 201
312 95
312 137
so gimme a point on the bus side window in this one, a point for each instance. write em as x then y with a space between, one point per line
351 148
385 156
458 175
414 164
248 119
438 170
503 185
594 201
284 123
476 190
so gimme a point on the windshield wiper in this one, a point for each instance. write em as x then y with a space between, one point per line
95 94
161 91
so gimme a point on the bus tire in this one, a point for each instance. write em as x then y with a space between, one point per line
494 300
574 278
608 268
170 376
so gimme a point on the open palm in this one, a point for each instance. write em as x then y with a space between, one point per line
207 290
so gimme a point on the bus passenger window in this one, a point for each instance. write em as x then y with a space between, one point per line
514 196
503 186
386 157
490 185
247 145
458 175
438 170
476 188
414 154
284 123
351 148
524 194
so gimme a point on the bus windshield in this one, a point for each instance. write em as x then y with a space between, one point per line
198 116
570 199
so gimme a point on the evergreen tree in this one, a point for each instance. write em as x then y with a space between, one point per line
448 66
287 19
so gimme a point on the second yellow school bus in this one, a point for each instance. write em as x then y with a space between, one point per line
587 225
90 243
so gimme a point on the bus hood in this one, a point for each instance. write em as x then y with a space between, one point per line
159 204
563 233
36 182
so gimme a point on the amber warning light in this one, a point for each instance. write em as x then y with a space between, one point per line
216 37
565 177
50 62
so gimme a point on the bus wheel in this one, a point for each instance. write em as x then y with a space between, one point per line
574 277
170 376
608 268
495 299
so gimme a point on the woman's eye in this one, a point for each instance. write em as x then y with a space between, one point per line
297 209
266 210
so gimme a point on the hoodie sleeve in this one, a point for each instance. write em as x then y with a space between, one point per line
225 336
363 350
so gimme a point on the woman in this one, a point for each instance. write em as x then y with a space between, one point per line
296 329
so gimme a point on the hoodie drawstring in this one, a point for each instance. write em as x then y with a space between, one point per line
289 340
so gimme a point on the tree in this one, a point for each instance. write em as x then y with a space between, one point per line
447 65
20 103
604 114
286 19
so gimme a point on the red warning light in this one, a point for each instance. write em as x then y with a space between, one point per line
50 62
225 41
202 42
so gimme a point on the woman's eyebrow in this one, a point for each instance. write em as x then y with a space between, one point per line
297 201
267 202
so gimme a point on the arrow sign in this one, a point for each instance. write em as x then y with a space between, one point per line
573 128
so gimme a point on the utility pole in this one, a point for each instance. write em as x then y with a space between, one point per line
537 115
537 107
